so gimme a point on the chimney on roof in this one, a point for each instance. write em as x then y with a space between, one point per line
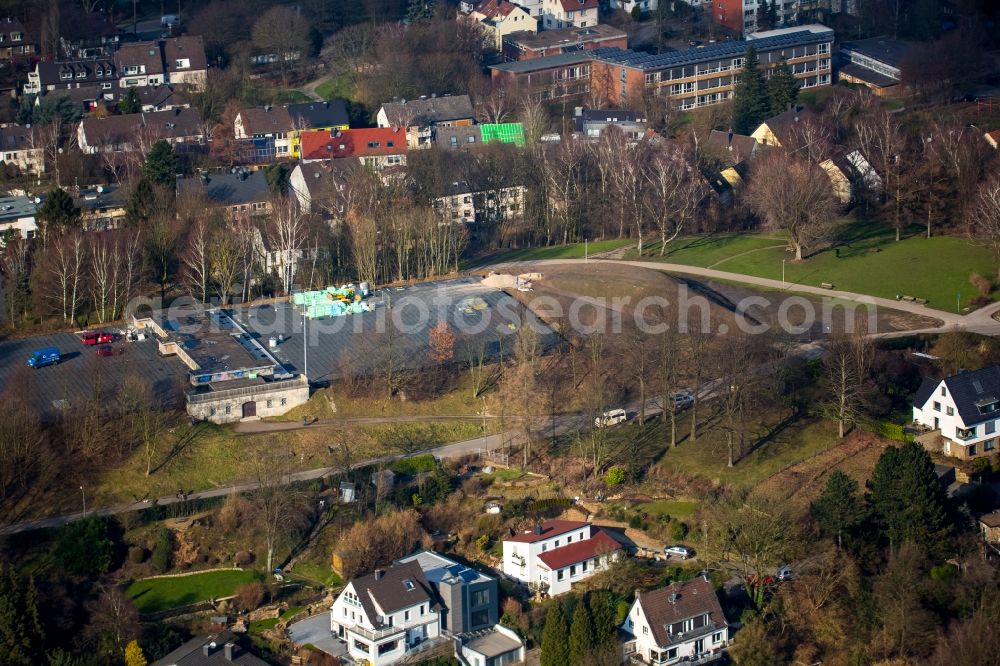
578 111
230 651
208 648
379 573
537 529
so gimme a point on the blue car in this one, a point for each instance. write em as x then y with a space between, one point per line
44 357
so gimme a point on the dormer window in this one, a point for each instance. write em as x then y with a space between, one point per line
15 36
987 406
408 584
82 74
182 63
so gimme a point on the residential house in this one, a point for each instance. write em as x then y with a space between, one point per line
458 137
464 603
240 193
86 99
387 615
680 623
528 45
266 131
20 148
989 527
960 412
220 649
555 554
101 207
377 147
591 122
274 132
741 16
730 148
182 128
569 13
421 116
876 63
162 98
317 186
463 203
179 60
838 173
18 217
15 42
644 6
100 73
499 18
778 130
93 35
329 115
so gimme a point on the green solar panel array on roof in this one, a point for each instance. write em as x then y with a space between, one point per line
504 133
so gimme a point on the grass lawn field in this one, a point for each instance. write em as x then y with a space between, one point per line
337 86
157 594
679 509
260 626
571 251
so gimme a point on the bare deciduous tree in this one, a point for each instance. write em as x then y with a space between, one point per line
673 194
847 366
792 195
67 267
280 509
196 260
286 235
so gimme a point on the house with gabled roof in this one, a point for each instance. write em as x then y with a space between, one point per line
499 18
421 116
386 615
960 413
18 146
569 13
375 147
777 130
553 555
680 623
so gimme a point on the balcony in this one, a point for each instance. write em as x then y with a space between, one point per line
377 634
704 658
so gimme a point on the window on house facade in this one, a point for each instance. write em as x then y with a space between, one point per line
229 409
269 404
972 450
560 574
284 401
480 597
572 570
361 647
989 445
406 616
716 638
386 647
937 406
950 411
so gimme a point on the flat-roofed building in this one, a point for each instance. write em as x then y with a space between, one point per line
876 63
528 45
558 77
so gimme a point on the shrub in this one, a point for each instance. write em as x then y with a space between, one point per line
678 531
981 464
982 284
233 513
86 547
549 505
483 542
136 554
243 558
250 596
635 521
415 465
162 550
614 477
944 572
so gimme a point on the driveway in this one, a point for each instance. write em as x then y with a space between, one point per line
316 631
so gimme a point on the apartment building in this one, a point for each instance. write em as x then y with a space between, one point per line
705 76
527 45
742 15
560 77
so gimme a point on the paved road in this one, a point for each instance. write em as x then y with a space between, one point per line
258 427
979 321
309 89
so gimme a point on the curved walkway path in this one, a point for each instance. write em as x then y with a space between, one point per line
979 321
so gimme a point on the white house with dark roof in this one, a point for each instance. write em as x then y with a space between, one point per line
386 615
421 116
680 623
552 556
961 412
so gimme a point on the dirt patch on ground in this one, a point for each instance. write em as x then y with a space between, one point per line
803 482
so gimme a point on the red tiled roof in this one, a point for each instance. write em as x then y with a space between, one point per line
577 5
599 544
550 528
492 8
369 142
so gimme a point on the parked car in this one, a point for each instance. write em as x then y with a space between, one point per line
683 399
610 418
43 357
785 573
97 338
678 550
108 350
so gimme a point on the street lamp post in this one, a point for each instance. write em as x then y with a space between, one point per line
784 285
84 494
305 348
586 250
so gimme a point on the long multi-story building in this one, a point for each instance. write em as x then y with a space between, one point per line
742 16
691 78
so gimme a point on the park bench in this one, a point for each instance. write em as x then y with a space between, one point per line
826 285
910 299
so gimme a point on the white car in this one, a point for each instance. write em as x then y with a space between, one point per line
610 418
678 551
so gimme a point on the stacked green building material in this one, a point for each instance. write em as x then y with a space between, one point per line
503 132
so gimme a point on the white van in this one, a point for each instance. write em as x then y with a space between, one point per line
610 418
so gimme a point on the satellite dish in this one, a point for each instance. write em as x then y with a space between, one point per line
100 189
38 200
